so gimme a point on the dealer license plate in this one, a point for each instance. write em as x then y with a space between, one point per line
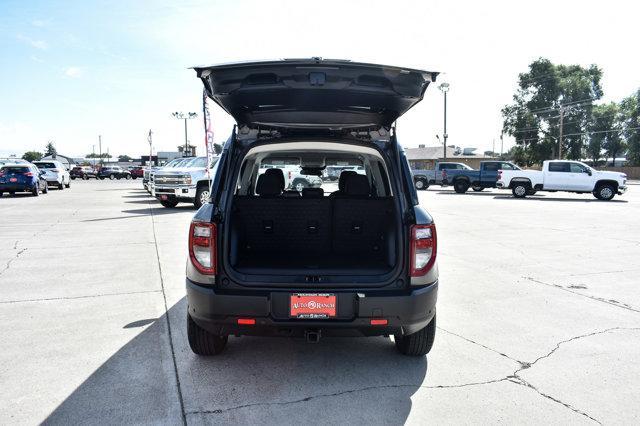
312 305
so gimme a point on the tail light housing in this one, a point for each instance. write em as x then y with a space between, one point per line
423 249
202 246
444 174
28 174
499 175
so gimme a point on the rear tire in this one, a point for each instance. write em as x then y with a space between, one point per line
604 192
418 343
169 203
36 190
128 177
61 186
112 176
68 184
45 190
202 342
460 186
520 189
421 184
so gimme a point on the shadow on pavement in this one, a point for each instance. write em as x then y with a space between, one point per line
159 210
339 380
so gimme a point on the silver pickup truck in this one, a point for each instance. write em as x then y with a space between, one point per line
188 183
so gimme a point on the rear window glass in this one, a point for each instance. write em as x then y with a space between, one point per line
558 167
15 169
46 165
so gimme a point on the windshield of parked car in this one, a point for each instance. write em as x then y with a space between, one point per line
197 162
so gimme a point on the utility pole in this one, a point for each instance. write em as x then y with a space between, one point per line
444 88
100 149
185 117
501 144
493 148
560 138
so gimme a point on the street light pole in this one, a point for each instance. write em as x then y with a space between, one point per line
444 88
185 117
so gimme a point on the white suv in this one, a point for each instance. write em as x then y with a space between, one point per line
55 173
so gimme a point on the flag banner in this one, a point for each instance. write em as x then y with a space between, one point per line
208 130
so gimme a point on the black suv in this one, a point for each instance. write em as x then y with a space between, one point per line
356 258
113 172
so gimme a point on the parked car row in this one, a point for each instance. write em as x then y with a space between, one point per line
556 175
22 176
106 172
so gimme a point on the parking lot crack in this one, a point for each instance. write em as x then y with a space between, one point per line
522 363
522 382
344 392
10 261
516 378
167 317
598 299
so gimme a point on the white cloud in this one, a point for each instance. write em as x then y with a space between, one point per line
38 44
73 72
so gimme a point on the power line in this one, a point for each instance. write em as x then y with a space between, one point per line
581 134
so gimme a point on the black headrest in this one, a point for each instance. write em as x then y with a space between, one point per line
344 175
268 185
357 185
312 192
291 194
279 174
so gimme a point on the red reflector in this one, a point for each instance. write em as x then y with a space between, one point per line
379 321
246 321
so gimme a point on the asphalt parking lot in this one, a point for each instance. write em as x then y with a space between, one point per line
538 321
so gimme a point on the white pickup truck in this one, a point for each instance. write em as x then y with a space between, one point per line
569 176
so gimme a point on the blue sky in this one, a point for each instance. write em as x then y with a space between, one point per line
73 70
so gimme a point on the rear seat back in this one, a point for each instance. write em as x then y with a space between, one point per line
352 223
284 224
360 221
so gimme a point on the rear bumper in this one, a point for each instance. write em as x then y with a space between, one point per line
17 187
499 184
406 312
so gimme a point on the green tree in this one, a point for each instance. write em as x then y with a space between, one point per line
32 156
630 118
545 93
604 132
217 148
610 130
93 155
50 149
124 158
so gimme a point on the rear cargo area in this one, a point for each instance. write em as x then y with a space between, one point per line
338 235
344 228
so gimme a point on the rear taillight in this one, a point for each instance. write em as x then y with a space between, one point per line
499 175
28 174
444 174
202 247
423 249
